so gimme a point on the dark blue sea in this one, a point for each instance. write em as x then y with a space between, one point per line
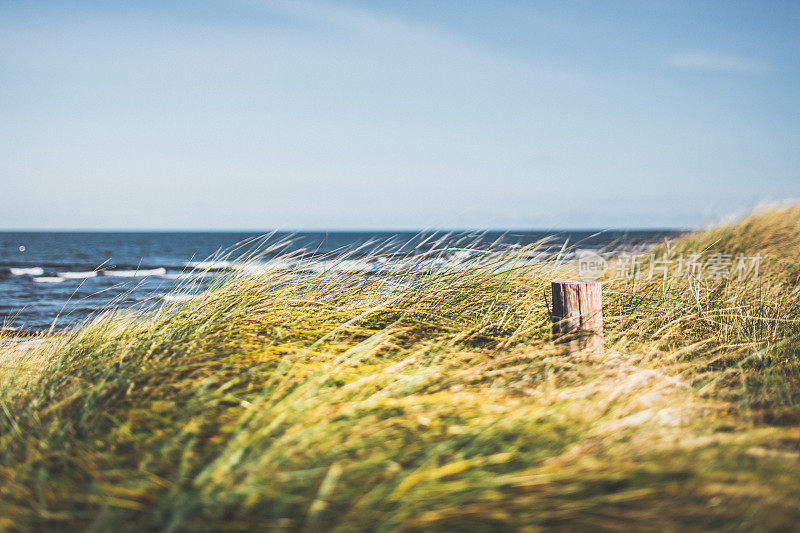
60 278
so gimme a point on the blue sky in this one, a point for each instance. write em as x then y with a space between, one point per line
375 115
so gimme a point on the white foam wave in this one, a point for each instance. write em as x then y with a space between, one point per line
135 273
273 264
77 275
48 279
204 265
350 265
183 275
178 297
31 271
257 269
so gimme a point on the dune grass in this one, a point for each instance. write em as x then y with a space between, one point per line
271 401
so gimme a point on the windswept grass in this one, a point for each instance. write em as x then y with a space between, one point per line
415 402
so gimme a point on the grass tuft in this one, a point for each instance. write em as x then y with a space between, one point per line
418 401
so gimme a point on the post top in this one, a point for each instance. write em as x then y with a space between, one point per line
574 282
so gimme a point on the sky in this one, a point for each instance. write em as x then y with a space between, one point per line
255 115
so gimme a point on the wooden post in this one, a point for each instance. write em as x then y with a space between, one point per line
578 311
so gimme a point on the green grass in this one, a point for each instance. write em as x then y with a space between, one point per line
418 403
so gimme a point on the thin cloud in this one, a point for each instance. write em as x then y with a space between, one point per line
708 61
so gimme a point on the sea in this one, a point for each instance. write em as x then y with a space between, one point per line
53 280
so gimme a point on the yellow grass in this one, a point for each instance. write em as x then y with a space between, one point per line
418 403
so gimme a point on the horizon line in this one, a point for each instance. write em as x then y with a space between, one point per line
339 230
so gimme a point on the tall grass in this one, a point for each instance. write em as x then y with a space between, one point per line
418 401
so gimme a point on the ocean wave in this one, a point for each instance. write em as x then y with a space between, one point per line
343 265
28 271
173 297
48 279
183 275
77 275
271 265
135 273
209 265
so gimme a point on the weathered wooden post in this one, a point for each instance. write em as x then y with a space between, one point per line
578 312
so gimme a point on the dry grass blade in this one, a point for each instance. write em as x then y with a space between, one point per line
428 398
